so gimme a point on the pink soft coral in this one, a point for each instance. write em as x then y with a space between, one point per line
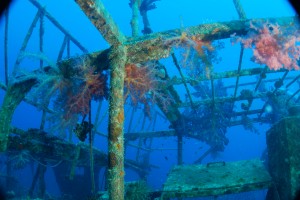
272 46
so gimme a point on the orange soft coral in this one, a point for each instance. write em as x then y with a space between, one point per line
138 81
143 85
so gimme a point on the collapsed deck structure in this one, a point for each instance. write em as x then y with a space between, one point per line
185 116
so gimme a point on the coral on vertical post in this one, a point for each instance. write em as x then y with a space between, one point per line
116 173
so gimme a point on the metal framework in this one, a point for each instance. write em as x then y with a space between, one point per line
139 49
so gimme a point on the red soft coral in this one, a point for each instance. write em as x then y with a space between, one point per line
93 85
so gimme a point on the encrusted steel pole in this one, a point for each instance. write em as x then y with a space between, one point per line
239 9
116 122
102 20
135 18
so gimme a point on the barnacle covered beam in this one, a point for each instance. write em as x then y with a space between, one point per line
116 123
225 99
96 12
172 133
44 146
239 9
221 75
159 45
153 134
15 93
57 24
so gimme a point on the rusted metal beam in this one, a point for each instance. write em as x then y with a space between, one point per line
292 96
255 82
239 9
135 18
151 134
26 39
172 133
261 77
278 84
50 149
223 99
238 71
253 120
175 61
250 112
58 25
96 12
293 81
221 75
159 45
116 171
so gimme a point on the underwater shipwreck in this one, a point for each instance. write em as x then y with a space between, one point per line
128 89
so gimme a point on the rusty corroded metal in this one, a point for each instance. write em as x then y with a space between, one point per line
159 45
116 171
224 99
102 20
57 24
221 75
50 149
239 9
135 19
